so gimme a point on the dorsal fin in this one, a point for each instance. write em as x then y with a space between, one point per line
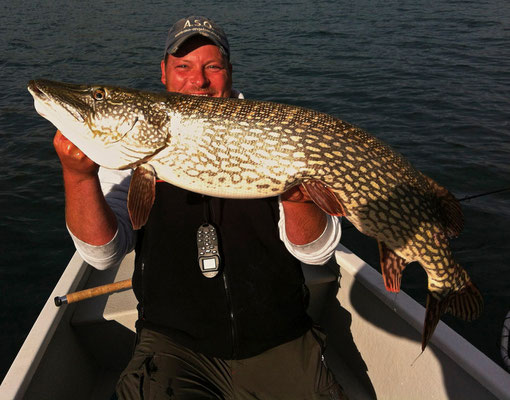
449 208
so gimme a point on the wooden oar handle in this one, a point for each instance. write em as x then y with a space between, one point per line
93 292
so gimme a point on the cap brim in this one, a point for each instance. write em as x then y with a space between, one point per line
177 44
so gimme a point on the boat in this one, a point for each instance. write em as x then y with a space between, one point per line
78 350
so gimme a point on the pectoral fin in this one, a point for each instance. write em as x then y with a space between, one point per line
392 266
142 191
324 197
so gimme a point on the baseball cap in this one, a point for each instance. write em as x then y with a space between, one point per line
185 28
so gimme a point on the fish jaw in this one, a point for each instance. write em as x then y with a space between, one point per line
106 135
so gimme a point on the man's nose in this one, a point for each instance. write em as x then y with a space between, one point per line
199 78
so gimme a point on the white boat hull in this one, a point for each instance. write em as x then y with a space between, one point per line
78 350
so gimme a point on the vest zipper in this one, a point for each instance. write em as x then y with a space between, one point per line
231 315
142 311
206 201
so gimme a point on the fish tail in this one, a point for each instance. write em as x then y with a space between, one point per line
466 303
434 310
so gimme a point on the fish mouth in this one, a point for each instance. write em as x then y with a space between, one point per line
35 90
44 95
37 93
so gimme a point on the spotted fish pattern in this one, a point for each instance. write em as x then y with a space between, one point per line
250 149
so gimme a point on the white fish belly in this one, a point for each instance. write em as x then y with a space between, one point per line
221 183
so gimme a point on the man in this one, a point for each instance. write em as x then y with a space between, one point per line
241 331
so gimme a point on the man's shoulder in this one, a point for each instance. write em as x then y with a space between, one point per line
236 94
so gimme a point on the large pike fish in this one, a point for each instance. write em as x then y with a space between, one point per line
250 149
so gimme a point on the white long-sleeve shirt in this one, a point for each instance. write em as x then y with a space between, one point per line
115 185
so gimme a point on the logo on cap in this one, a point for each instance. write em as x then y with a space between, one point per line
188 27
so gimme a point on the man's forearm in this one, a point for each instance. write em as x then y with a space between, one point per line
304 222
88 216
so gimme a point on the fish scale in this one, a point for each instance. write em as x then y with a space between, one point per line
250 149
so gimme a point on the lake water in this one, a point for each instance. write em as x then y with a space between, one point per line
430 78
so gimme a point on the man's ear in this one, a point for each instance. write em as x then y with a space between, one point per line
163 72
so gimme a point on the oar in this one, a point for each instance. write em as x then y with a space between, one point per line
93 292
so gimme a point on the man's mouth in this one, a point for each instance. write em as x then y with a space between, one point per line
206 94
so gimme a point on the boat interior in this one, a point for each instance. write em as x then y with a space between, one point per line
374 340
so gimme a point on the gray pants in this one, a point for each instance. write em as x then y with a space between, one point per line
162 369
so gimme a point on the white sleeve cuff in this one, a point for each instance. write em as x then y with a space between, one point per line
103 256
115 186
321 249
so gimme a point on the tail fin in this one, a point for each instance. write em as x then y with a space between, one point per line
434 309
466 303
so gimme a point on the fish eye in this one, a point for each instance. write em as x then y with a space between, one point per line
99 94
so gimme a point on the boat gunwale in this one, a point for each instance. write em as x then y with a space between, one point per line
24 366
462 352
494 378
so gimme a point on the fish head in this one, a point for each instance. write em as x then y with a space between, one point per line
117 128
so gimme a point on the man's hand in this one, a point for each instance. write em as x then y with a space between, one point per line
304 221
88 216
73 160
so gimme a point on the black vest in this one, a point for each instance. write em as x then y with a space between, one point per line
256 301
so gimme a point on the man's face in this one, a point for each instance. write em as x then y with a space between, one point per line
197 68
